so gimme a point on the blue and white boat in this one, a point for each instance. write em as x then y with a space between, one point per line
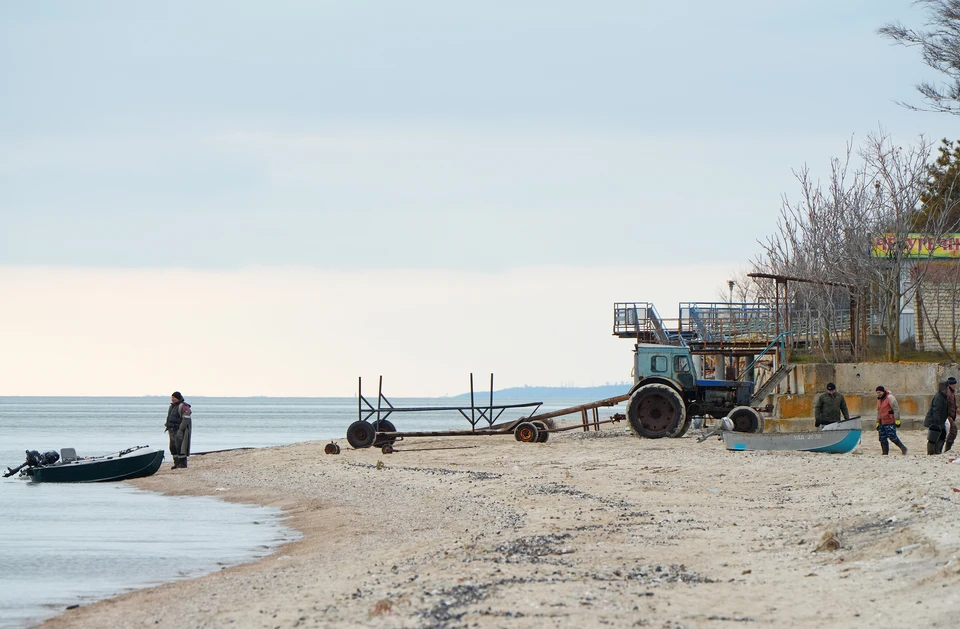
838 438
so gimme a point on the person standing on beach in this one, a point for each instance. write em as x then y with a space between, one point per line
180 426
829 406
888 418
951 414
936 418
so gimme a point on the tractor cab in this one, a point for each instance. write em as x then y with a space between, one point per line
664 361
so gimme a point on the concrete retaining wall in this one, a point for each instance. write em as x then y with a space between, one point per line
864 377
912 383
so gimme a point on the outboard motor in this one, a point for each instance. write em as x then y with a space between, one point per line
35 459
49 458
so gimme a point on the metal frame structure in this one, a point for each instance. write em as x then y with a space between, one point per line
477 413
530 428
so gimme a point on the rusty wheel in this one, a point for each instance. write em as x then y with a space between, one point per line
526 432
655 411
383 426
361 434
542 428
331 448
745 419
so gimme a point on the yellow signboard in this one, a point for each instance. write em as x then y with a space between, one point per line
916 245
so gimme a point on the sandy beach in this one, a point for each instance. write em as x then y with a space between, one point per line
586 530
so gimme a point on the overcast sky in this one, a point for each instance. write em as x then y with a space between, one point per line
248 198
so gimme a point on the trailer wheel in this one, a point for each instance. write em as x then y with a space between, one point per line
384 425
655 411
745 419
542 428
526 432
361 434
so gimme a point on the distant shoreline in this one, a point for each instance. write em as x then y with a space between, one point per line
525 392
554 393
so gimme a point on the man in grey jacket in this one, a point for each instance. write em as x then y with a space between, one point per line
829 406
180 426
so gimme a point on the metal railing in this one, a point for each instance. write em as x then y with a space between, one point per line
707 326
640 320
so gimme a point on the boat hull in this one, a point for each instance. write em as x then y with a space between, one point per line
832 441
99 469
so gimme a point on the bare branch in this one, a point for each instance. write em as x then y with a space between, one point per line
940 49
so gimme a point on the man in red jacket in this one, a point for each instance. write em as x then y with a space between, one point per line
888 418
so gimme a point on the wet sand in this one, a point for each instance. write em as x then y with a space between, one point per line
586 530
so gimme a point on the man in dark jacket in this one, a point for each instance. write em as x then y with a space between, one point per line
935 419
179 424
951 414
829 406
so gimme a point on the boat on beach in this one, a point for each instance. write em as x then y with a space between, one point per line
838 438
67 467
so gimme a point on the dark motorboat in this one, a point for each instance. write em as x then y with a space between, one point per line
67 467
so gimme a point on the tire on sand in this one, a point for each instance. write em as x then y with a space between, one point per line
655 411
526 432
745 419
542 427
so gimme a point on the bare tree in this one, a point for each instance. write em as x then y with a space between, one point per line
939 45
740 288
937 295
813 241
898 176
826 237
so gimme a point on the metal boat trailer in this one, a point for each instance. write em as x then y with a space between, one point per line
535 428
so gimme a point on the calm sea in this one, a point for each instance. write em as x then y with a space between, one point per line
63 545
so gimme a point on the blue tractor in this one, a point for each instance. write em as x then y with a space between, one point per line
666 394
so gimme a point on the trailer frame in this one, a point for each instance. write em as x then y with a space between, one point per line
532 428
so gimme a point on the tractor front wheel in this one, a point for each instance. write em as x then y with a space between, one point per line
746 419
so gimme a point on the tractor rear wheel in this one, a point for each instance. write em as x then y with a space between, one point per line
684 427
745 419
655 411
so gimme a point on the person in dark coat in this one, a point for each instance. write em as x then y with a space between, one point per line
936 418
180 426
951 414
829 406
